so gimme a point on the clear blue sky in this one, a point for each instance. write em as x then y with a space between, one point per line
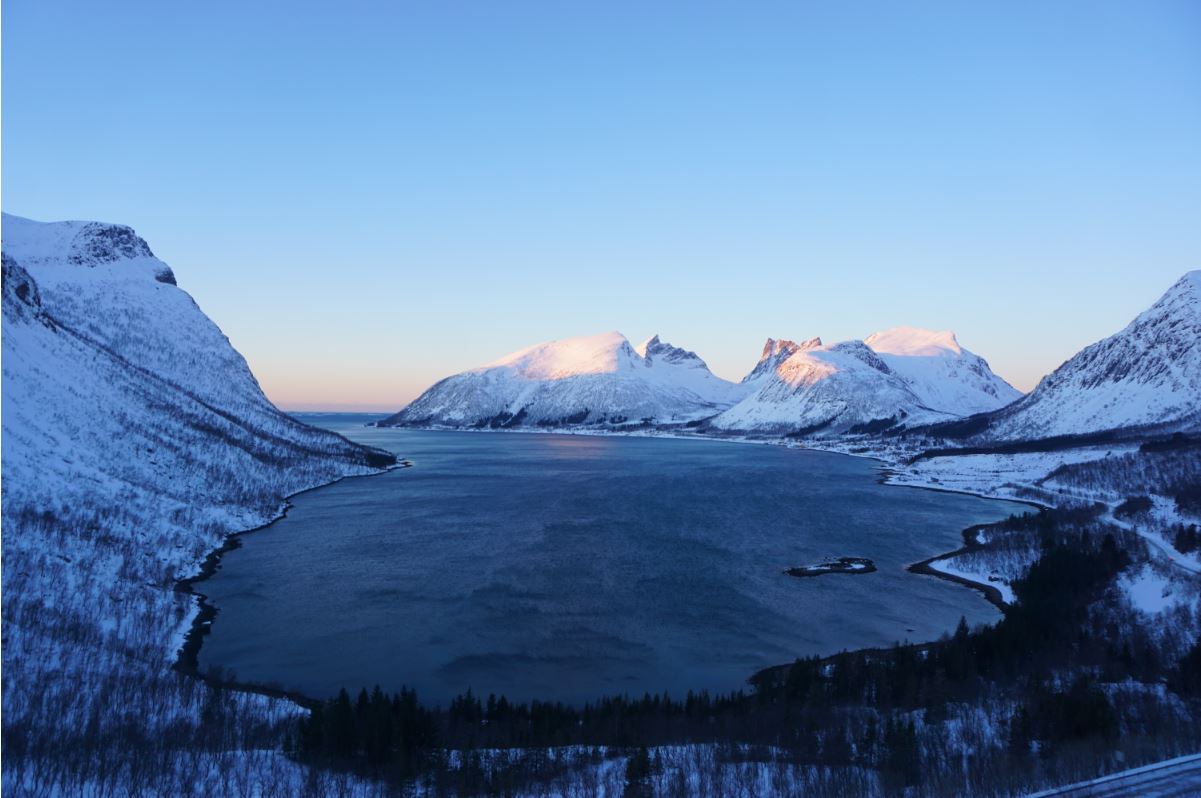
367 197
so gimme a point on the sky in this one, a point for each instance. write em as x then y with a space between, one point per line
367 197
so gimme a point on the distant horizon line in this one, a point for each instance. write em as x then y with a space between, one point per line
349 408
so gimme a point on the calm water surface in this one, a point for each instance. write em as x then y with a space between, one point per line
571 567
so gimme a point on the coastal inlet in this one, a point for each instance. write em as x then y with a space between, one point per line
566 567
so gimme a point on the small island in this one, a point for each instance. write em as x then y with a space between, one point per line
843 565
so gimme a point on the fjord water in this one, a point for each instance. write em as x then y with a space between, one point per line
572 567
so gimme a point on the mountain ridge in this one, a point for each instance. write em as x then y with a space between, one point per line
1148 374
592 379
793 386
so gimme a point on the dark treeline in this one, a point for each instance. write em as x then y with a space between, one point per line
1188 498
1133 505
796 708
1186 539
1178 440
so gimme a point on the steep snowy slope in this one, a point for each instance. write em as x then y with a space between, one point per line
134 439
1147 374
827 388
102 281
943 375
596 379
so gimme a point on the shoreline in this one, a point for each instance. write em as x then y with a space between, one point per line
187 658
970 535
925 568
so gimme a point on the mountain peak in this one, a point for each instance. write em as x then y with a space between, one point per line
1190 281
88 244
775 352
586 354
1148 373
914 341
648 345
783 346
653 349
598 380
774 346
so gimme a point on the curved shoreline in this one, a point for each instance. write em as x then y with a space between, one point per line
925 567
970 541
187 660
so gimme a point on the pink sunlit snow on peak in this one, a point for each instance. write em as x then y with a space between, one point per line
914 341
604 353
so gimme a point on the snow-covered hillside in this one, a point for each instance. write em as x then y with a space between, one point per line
1147 374
827 388
942 374
596 379
901 376
134 440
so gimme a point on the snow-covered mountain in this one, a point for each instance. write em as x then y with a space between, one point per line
819 387
898 377
595 379
100 300
1149 374
943 375
135 439
901 376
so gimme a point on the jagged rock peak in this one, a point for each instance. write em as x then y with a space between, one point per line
654 349
775 352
